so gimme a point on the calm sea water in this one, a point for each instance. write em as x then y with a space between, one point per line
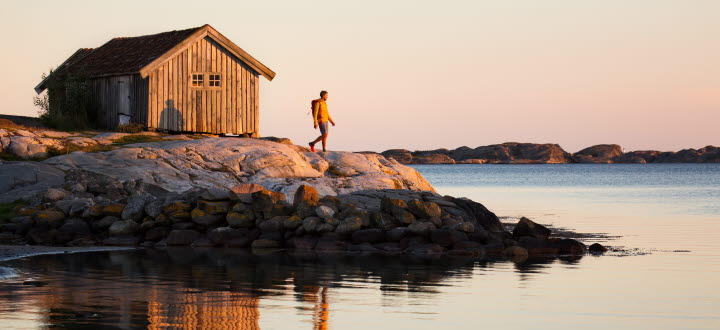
668 215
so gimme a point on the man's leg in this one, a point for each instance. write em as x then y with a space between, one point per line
324 141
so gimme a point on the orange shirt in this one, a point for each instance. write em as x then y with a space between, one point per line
320 112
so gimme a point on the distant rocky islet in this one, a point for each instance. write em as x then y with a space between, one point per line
532 153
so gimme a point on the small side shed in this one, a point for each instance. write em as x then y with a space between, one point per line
193 80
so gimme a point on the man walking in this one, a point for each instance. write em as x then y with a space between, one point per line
321 118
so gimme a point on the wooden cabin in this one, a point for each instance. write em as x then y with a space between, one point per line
193 80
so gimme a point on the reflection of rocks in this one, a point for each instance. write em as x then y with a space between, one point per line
181 287
531 153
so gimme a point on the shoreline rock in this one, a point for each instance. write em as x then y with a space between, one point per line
385 222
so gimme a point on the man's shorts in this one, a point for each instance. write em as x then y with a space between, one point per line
324 127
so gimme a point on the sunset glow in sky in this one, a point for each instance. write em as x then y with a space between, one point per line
644 74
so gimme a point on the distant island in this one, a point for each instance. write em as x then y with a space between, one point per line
534 153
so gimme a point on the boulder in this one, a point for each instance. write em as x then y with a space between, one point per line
305 193
182 237
265 244
597 248
570 246
156 234
383 221
217 194
421 228
273 225
324 212
425 249
135 207
476 212
104 223
240 220
73 228
49 219
114 209
537 246
223 235
526 227
176 206
424 209
54 194
310 224
325 228
371 236
397 234
349 225
24 180
123 228
214 207
204 218
447 237
292 222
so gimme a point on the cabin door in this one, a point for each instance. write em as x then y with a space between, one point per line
122 98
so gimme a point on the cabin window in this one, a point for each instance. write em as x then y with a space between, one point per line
214 80
197 80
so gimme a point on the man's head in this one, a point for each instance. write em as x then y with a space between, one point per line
324 95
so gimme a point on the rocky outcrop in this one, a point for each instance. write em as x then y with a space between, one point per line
388 221
226 162
24 180
601 153
530 153
506 153
36 143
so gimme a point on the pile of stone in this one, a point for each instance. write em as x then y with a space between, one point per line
104 211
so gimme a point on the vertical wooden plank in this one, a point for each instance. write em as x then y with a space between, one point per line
203 110
223 94
256 112
151 94
208 56
246 113
241 96
189 90
232 97
176 95
161 97
252 102
181 80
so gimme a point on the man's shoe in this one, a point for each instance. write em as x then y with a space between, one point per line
312 146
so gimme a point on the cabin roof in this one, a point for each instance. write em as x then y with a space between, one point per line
130 55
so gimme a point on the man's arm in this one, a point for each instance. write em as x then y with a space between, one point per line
330 119
315 110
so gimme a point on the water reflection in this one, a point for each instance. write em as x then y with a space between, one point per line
211 288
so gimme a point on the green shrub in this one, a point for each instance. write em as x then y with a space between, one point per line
67 103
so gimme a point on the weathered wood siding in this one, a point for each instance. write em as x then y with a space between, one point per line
120 94
232 108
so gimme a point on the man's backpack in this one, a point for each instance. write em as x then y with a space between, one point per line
312 105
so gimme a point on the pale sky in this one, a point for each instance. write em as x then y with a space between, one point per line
413 74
